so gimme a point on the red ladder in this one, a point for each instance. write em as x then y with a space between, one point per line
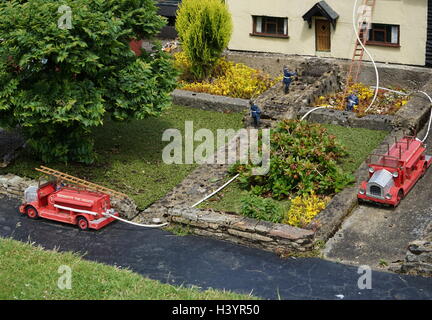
80 182
357 58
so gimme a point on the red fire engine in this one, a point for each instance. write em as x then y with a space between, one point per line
394 174
81 203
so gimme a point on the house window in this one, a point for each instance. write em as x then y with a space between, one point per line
270 27
384 35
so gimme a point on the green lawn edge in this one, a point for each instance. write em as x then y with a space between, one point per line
28 272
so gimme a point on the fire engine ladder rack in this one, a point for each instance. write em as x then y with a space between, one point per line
80 182
357 58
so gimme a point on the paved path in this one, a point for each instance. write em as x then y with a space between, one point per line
372 234
192 260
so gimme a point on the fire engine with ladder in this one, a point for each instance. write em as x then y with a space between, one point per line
394 174
70 200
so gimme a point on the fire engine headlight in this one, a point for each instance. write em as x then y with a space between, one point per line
395 174
362 191
371 170
388 196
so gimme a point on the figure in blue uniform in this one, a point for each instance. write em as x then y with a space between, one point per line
287 79
255 113
352 101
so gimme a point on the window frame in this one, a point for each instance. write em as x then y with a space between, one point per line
266 34
383 28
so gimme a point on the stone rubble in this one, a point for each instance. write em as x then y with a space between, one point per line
418 260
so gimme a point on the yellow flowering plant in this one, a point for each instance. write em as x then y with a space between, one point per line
304 209
227 79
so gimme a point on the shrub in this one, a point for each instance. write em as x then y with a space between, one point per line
204 28
227 79
57 84
303 159
303 209
262 209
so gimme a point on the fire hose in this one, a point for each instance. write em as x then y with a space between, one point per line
135 223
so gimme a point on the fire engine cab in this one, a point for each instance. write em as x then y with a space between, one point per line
393 175
73 204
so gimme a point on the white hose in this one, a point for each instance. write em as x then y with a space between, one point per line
368 53
137 224
213 193
409 94
430 118
314 109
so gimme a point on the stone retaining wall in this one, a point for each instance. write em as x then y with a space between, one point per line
14 186
415 114
210 102
279 238
348 119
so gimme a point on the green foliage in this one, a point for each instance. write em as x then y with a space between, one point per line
204 28
303 159
262 209
57 84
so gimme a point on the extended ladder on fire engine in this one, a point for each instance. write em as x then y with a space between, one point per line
357 58
80 182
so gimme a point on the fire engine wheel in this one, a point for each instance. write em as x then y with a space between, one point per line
82 223
400 196
424 170
32 213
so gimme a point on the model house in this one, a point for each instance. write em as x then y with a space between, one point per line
168 9
398 31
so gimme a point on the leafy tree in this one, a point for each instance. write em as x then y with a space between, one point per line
204 28
56 83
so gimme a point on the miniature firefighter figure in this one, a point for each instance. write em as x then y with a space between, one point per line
287 78
255 113
352 101
59 185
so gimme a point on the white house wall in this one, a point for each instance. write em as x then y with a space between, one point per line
411 15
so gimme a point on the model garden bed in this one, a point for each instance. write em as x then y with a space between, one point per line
358 142
221 217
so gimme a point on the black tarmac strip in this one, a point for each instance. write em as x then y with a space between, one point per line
208 263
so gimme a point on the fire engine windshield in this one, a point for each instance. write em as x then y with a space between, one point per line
384 161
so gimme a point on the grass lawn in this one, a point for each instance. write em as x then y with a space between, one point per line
358 142
130 154
29 272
